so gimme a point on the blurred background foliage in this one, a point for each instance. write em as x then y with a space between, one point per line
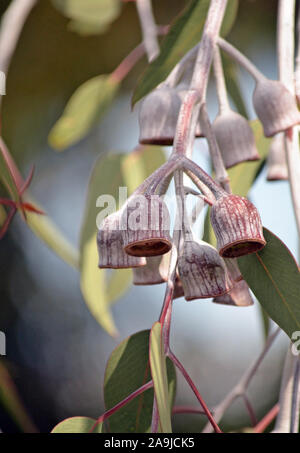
56 350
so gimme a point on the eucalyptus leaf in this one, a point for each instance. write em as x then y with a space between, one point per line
159 377
273 275
89 16
84 109
77 425
128 369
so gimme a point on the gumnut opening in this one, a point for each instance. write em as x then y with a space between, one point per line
145 225
110 246
237 226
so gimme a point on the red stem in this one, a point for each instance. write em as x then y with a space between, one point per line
195 390
187 410
122 403
250 410
267 419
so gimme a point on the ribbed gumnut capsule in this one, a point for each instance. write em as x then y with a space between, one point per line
110 246
239 296
155 271
145 223
275 106
235 138
158 116
237 226
276 163
202 271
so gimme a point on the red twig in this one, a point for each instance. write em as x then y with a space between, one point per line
267 419
195 390
122 403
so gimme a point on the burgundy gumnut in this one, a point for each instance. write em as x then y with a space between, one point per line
275 106
155 271
239 296
202 271
237 226
110 246
277 169
145 225
158 116
235 138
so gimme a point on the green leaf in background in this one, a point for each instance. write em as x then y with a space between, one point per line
85 108
74 425
112 171
232 84
128 369
10 400
46 230
273 276
184 34
89 16
2 215
242 176
159 377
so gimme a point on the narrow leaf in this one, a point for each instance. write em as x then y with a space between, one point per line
128 369
232 84
10 400
184 34
85 108
77 425
273 275
159 377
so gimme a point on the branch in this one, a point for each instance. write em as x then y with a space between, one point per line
242 386
149 31
11 27
283 421
285 53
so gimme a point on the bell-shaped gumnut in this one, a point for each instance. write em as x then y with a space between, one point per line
235 138
237 226
158 116
145 225
275 106
239 296
155 271
110 246
202 271
277 169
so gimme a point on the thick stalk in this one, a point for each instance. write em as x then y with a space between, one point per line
220 82
285 54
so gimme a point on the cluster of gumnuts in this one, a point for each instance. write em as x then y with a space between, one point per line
138 235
